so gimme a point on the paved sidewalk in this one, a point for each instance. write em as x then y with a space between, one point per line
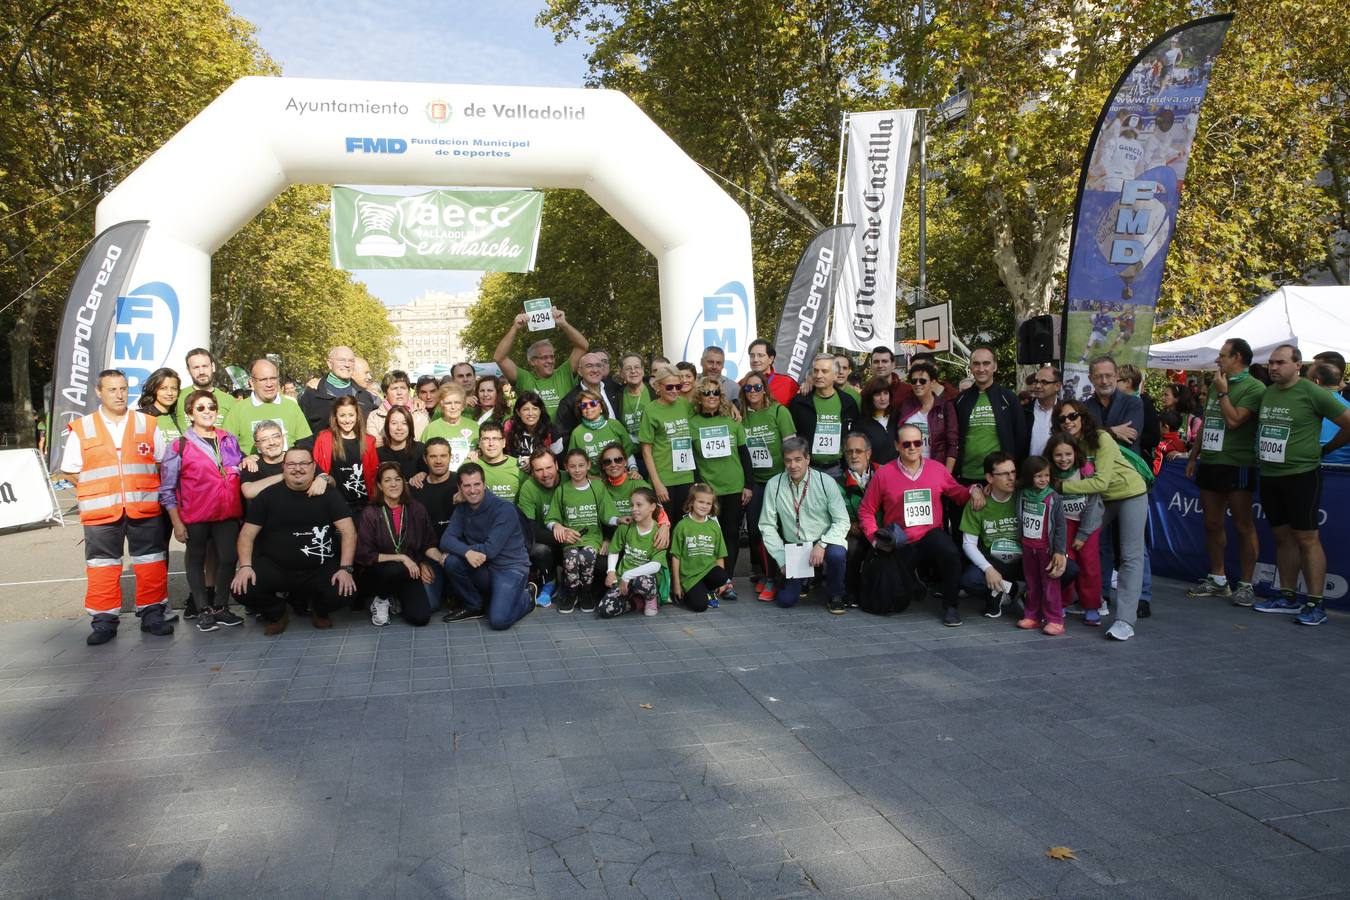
746 752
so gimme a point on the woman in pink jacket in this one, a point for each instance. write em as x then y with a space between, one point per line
907 493
199 488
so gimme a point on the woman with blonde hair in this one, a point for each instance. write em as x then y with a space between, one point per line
722 459
666 441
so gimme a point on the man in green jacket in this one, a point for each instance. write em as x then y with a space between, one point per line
804 524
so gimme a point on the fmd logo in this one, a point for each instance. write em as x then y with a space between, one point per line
723 322
147 323
376 145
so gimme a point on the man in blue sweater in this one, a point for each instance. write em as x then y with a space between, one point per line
486 561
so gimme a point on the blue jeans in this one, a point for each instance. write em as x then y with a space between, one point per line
502 592
835 557
435 590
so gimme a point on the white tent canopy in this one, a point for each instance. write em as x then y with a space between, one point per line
1314 318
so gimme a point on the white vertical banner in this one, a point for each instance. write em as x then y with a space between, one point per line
874 196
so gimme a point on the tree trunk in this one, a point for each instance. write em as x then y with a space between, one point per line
20 340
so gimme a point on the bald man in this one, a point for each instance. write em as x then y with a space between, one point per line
317 404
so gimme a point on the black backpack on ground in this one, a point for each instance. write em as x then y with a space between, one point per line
889 584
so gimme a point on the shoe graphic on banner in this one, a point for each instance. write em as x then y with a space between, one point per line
377 226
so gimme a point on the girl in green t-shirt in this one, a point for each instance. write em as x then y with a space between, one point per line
698 552
635 564
767 424
594 430
579 510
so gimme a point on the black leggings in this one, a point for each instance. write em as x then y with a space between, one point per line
391 581
200 537
679 493
696 598
729 517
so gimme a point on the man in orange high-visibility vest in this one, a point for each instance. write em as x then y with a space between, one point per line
113 455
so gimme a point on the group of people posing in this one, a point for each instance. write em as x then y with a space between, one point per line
616 493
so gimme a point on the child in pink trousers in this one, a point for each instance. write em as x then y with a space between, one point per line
1043 540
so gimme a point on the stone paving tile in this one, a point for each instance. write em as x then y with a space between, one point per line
746 752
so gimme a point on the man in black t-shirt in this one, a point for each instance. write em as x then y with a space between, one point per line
435 489
295 543
269 443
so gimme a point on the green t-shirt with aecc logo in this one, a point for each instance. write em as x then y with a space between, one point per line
717 443
621 495
666 428
1289 432
462 436
503 478
636 549
981 439
998 526
764 432
535 502
828 445
1221 445
583 509
551 389
633 407
698 546
591 437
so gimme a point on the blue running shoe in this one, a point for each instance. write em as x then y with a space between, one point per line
545 597
1311 615
712 601
1092 617
1279 604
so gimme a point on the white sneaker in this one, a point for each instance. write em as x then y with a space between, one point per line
379 611
1106 607
1120 631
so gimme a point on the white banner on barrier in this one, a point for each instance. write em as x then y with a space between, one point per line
26 495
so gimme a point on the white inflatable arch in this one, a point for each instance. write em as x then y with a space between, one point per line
263 134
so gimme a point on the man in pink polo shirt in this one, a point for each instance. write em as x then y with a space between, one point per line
908 493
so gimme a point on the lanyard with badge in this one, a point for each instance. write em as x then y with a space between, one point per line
797 555
396 537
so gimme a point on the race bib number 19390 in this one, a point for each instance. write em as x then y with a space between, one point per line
918 507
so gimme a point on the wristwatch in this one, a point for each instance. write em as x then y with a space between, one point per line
1221 394
347 569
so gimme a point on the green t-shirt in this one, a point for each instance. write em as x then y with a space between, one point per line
224 402
764 432
245 414
998 527
717 443
1288 436
583 509
635 549
828 444
852 392
535 502
666 428
633 407
1232 446
698 546
503 478
981 439
622 495
463 438
551 389
591 438
170 428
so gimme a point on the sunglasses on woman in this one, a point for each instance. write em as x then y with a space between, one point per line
752 388
670 387
202 407
612 461
589 404
711 393
1068 417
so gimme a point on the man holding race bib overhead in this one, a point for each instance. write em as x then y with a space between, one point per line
1288 444
824 416
544 376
